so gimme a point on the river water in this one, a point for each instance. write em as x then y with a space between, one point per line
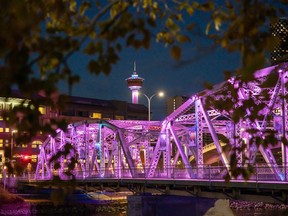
147 205
195 206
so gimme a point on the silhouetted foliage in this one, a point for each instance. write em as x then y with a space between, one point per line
39 37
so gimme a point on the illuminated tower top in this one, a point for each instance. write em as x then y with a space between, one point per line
135 84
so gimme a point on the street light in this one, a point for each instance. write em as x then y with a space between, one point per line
160 94
12 142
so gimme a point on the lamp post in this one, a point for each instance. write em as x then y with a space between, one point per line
12 142
160 94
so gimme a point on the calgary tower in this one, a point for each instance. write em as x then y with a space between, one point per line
135 84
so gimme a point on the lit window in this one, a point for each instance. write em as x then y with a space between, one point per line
1 129
96 115
7 130
34 160
119 117
36 142
1 145
34 146
42 110
34 156
1 140
1 118
277 111
24 145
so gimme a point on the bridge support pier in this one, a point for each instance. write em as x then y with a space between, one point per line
137 188
167 190
196 191
284 197
117 188
101 187
236 193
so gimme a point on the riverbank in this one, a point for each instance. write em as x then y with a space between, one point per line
238 205
9 198
113 208
245 208
29 209
15 205
115 204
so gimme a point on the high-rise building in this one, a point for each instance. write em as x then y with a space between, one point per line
76 109
173 103
279 30
135 84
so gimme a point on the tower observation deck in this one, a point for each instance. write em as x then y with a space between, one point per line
135 84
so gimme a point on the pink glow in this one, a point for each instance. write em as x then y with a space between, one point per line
113 140
135 94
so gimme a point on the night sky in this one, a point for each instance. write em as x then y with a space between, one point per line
200 63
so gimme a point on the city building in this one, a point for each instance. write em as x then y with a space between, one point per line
80 108
76 109
279 30
172 103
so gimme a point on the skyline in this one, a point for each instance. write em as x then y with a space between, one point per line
160 72
201 62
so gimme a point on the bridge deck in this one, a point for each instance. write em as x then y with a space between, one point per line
266 191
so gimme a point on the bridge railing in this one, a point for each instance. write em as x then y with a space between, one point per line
206 172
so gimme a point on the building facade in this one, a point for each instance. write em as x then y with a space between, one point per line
76 109
172 103
279 31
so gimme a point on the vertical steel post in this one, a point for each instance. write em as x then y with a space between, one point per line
283 75
199 137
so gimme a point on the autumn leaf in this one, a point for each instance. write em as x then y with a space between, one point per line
175 52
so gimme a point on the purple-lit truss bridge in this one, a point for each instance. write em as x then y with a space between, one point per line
175 147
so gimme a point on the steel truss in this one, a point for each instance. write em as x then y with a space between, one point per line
153 149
